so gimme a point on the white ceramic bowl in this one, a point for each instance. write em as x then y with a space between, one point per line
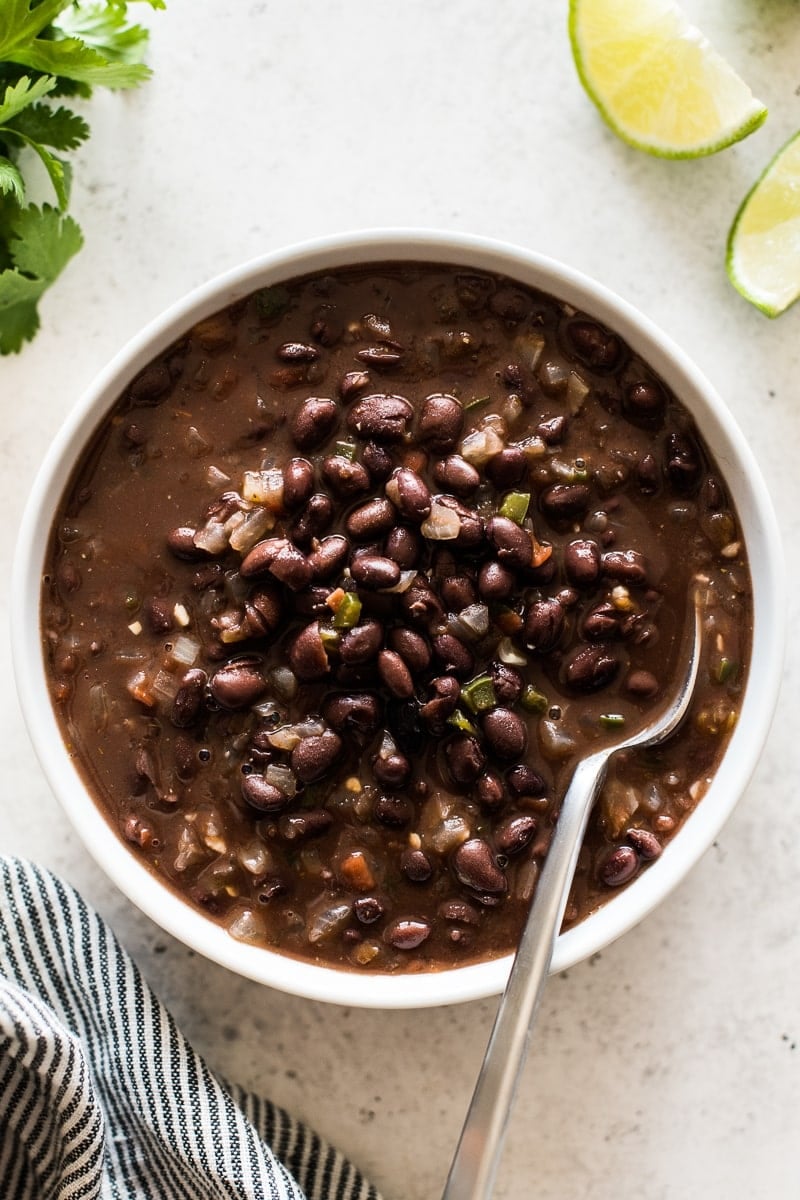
620 913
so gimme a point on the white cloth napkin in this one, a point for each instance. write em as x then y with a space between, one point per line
100 1094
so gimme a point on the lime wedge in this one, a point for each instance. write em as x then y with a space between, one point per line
657 80
764 242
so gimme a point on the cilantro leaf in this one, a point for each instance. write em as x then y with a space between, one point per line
71 57
23 20
42 243
11 182
22 93
57 127
103 26
56 168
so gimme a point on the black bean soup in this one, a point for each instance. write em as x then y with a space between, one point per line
348 580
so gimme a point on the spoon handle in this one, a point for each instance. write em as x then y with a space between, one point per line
475 1161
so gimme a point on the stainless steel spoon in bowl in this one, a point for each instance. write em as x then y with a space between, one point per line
477 1155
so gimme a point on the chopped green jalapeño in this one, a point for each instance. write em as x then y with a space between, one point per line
515 506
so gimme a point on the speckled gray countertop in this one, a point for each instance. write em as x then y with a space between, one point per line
668 1066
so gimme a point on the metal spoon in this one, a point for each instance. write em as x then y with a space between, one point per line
477 1155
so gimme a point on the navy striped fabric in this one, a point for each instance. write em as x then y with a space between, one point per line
100 1094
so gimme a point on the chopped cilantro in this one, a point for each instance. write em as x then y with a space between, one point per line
49 49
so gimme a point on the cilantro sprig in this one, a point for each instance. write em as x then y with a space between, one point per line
50 49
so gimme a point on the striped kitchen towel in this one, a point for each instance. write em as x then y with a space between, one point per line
100 1094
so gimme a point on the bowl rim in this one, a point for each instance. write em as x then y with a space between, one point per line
727 443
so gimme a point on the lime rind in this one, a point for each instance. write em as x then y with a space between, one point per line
765 235
638 48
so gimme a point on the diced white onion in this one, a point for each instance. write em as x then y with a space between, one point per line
553 375
327 921
442 523
528 348
181 616
185 650
508 653
264 487
98 707
196 444
577 391
251 529
213 538
246 926
481 445
165 684
281 778
217 478
284 682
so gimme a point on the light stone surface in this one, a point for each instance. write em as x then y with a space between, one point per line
667 1068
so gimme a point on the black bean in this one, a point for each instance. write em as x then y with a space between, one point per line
382 357
409 494
495 582
647 474
453 655
259 560
314 518
210 575
457 592
415 865
507 468
513 544
543 625
356 713
392 770
313 602
515 833
308 657
314 756
314 422
590 669
465 758
188 703
378 461
602 623
522 780
565 501
380 418
263 609
330 556
291 567
552 430
344 476
420 602
361 644
619 867
374 572
262 795
683 464
626 566
395 674
594 345
297 352
180 542
507 683
642 683
446 694
396 812
352 383
403 545
457 475
158 614
406 933
459 910
148 387
489 790
475 866
370 520
237 684
645 843
582 562
441 420
412 648
644 400
505 732
513 306
298 482
368 909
